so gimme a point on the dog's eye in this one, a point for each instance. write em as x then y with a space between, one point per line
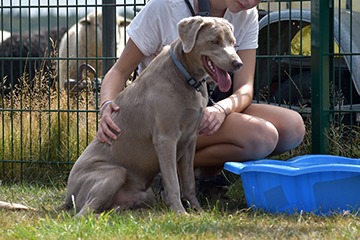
216 42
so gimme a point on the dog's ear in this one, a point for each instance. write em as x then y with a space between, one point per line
188 29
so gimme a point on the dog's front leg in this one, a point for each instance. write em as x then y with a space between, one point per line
166 151
186 175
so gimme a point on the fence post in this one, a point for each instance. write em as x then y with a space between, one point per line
108 35
322 44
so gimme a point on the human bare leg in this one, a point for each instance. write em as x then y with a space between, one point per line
289 125
257 132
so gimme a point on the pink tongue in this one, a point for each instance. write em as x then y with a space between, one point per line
223 79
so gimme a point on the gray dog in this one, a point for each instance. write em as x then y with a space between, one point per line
159 116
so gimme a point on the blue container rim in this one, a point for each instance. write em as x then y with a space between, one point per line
296 166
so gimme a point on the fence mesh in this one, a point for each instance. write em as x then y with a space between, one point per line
49 94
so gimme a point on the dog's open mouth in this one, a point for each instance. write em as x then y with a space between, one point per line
220 76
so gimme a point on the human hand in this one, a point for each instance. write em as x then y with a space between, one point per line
107 127
211 121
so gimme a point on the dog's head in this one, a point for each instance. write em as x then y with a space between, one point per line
210 43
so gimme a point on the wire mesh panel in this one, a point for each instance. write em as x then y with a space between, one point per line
50 67
345 72
285 66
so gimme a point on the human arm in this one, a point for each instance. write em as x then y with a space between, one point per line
243 85
113 83
148 33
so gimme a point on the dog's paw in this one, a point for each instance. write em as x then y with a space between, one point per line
191 206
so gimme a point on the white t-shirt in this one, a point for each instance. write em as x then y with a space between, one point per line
155 26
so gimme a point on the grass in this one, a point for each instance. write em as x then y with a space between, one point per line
216 222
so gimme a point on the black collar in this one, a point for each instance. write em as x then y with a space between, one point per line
191 81
204 8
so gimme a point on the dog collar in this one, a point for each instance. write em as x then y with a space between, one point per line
191 81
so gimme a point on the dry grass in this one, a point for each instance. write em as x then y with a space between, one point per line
43 130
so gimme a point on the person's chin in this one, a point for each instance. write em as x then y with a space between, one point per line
235 10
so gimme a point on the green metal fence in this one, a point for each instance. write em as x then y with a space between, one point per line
337 94
308 58
45 126
45 122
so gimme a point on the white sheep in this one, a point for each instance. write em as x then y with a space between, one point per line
83 44
4 35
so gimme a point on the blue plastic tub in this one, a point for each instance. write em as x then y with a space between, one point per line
322 184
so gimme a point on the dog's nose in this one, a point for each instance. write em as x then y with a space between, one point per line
237 65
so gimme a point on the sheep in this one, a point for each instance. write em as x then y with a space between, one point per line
23 57
83 44
4 35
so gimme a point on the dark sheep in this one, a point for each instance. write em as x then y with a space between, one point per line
25 56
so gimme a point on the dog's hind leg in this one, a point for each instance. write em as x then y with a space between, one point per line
102 186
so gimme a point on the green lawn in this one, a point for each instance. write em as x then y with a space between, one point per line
224 219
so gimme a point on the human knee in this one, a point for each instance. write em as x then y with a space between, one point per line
264 140
293 131
299 128
270 138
